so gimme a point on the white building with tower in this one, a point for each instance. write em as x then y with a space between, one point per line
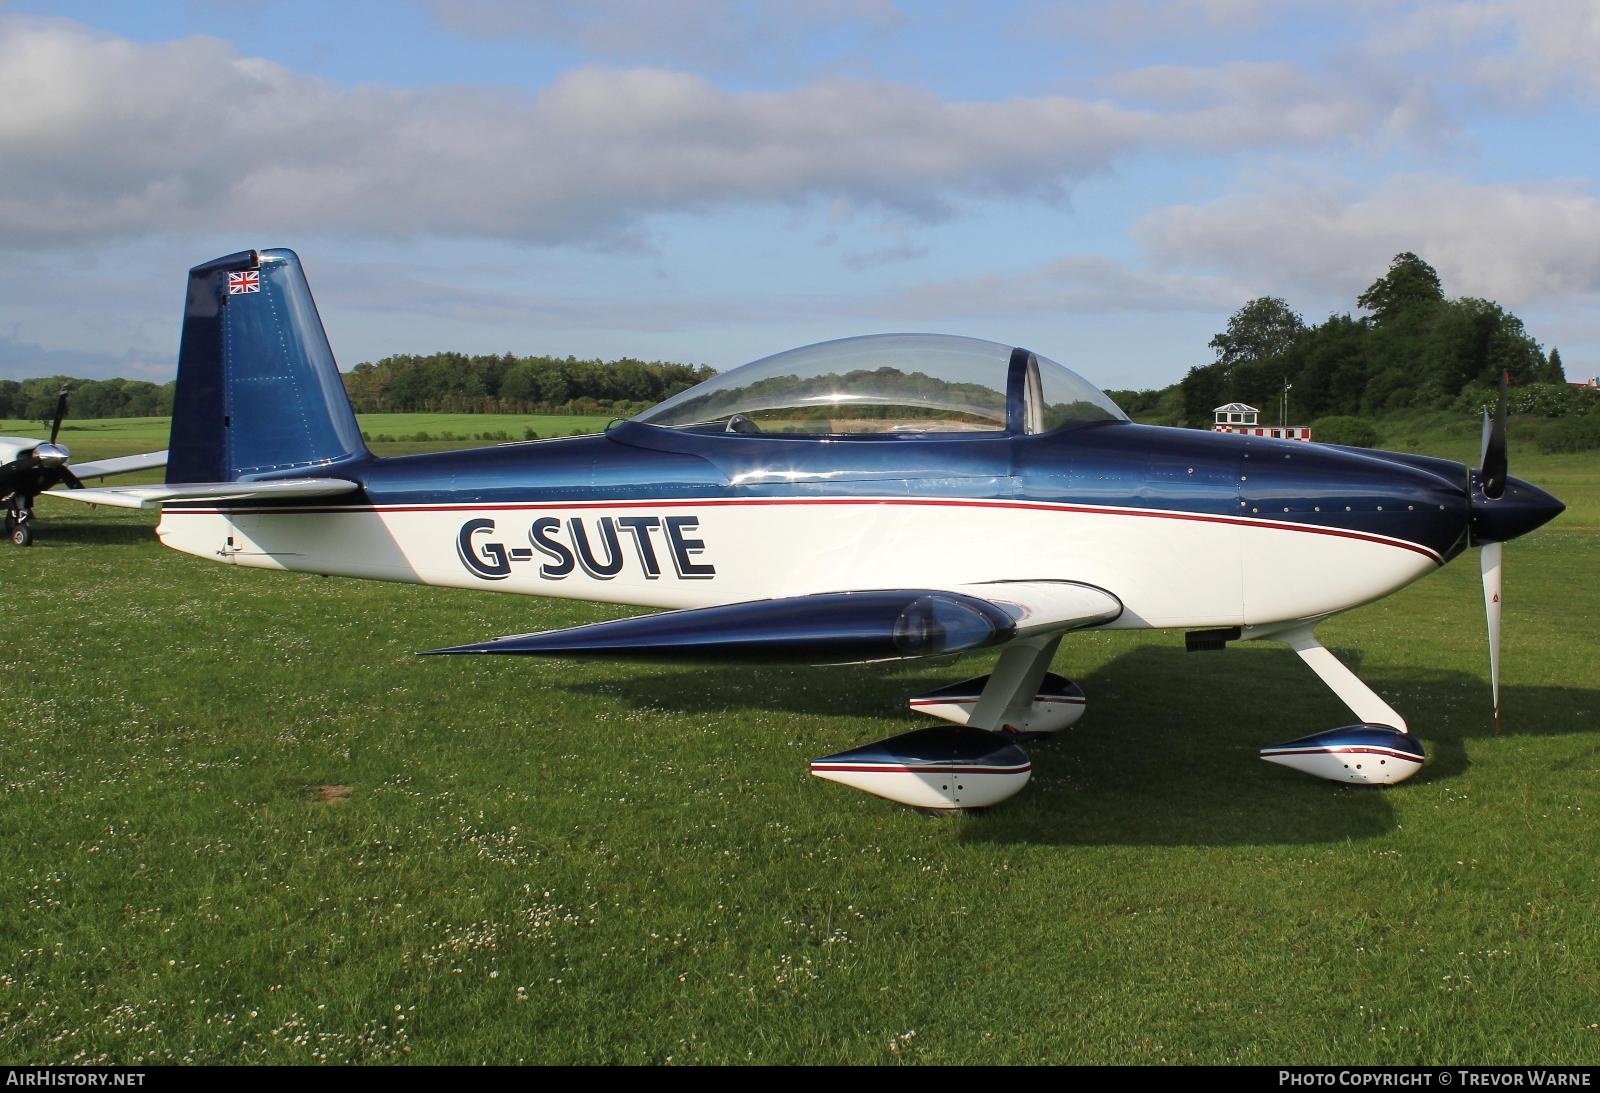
1236 417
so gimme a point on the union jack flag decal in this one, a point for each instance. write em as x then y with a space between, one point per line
248 281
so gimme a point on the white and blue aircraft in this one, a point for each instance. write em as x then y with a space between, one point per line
29 467
860 500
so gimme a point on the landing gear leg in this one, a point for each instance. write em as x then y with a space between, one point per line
1379 750
19 520
1008 696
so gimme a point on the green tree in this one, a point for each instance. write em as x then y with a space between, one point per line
42 408
1334 368
1136 404
1410 284
1476 340
1253 359
555 386
1553 372
1202 393
1263 329
1417 349
1338 429
363 384
519 388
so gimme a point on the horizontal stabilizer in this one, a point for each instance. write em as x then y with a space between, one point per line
830 627
141 497
122 464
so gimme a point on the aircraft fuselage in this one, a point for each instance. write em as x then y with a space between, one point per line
1192 529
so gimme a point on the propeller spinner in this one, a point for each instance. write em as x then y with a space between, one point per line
32 472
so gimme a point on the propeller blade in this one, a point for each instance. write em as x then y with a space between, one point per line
1490 558
61 412
73 481
1494 447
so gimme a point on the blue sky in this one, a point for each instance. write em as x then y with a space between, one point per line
713 181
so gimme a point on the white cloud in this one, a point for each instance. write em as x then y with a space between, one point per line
101 138
715 33
1076 284
886 255
1520 49
1144 19
1520 245
480 302
1269 102
1252 80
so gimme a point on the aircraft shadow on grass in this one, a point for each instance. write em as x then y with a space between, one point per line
1166 754
88 532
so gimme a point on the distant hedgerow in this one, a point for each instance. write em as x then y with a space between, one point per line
1580 433
1341 429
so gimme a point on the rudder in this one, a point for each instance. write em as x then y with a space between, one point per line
258 391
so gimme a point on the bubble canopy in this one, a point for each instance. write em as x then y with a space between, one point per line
890 384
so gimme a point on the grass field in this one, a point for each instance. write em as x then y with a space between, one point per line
121 435
244 823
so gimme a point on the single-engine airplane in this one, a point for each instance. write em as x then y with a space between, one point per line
860 500
30 467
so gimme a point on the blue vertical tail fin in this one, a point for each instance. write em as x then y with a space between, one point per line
258 392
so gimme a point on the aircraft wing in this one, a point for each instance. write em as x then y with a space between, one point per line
140 497
832 627
122 464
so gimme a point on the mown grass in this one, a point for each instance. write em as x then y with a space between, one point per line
560 862
123 434
96 437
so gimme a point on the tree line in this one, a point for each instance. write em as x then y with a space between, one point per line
406 383
509 384
35 399
1415 349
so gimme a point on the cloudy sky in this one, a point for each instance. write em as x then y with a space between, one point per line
713 181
